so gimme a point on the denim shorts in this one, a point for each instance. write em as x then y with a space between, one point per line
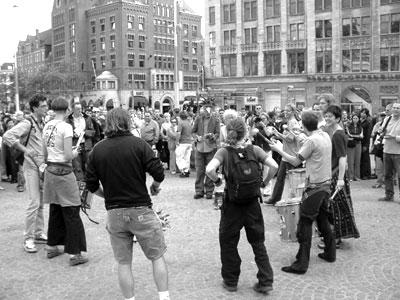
142 222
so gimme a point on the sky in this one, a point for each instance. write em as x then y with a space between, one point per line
20 18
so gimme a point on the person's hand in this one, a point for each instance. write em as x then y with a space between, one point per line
155 188
340 183
276 146
198 138
75 153
364 148
218 182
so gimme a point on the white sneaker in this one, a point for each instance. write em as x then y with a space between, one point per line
29 246
41 238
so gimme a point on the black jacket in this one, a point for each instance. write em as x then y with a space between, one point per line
92 131
120 163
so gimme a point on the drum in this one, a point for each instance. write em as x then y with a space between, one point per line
296 179
289 214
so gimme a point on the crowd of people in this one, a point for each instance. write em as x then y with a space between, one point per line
111 150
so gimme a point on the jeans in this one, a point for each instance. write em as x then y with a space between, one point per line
66 228
365 164
34 221
314 207
233 219
354 160
79 165
391 165
379 170
172 155
183 157
284 166
202 181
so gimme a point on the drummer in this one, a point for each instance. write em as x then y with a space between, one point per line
316 151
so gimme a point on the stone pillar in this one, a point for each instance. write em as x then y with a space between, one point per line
309 23
285 35
261 37
336 37
239 38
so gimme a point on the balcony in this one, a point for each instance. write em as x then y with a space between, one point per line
249 47
359 42
323 44
230 49
271 46
298 44
390 40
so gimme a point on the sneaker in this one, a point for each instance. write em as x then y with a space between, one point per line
29 246
198 196
51 253
388 199
262 289
377 186
184 174
209 196
41 238
1 188
173 172
229 288
326 258
20 189
78 260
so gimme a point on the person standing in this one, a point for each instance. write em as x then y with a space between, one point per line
150 131
355 136
316 152
205 131
379 155
120 163
60 188
391 151
235 215
365 161
184 145
33 158
172 139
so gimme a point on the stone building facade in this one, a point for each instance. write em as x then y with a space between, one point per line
272 52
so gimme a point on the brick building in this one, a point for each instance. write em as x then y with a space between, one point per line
271 52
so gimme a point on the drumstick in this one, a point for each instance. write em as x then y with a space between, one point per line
335 193
80 139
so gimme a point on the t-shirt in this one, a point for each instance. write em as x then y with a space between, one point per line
222 156
339 147
185 129
317 152
392 146
54 133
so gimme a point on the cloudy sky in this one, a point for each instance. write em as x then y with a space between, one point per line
20 18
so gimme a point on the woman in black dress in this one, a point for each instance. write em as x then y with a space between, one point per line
343 214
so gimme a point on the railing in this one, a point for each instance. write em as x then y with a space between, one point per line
359 42
249 47
323 44
267 46
298 44
231 49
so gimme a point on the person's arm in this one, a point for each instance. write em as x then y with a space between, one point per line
44 148
273 168
342 169
68 152
211 169
278 147
12 137
157 132
92 179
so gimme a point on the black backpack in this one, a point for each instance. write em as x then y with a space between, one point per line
244 177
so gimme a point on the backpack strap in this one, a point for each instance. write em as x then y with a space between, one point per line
29 133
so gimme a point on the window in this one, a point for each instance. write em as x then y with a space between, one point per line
112 22
142 59
211 15
194 64
390 23
71 14
297 31
112 41
93 44
355 3
250 10
324 61
185 30
229 13
272 63
273 33
356 26
140 81
323 5
250 35
323 29
131 60
296 62
185 62
142 40
194 48
229 66
212 38
230 37
141 21
194 30
130 21
131 40
94 65
72 30
186 47
112 59
93 27
356 60
103 43
103 62
72 47
296 7
102 25
273 8
130 80
390 58
250 65
383 2
59 35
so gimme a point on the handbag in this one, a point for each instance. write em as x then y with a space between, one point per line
377 149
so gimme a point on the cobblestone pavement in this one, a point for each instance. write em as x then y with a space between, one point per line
366 268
